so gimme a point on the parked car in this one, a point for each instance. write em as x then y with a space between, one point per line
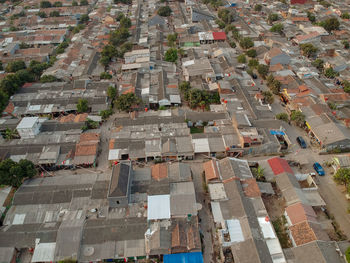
318 168
301 142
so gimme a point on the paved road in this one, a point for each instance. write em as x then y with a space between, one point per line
336 202
206 225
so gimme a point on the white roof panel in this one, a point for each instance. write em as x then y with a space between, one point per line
44 252
266 228
216 210
27 122
274 246
18 219
201 145
235 230
113 154
217 191
158 207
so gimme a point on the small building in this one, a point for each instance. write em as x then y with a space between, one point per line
29 127
120 185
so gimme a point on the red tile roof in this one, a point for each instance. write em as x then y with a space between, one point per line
211 170
298 213
159 171
219 35
251 188
279 166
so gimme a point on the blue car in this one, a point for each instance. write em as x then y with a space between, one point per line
301 142
318 168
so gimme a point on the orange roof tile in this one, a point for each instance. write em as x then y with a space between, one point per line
210 170
159 171
84 149
302 233
298 213
89 137
9 108
251 188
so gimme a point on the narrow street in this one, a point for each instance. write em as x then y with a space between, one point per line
206 224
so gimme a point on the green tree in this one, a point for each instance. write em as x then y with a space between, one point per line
172 37
311 17
14 66
241 58
54 14
111 92
308 49
48 78
330 73
126 101
74 3
272 18
251 53
84 18
25 76
325 3
347 254
106 113
105 75
171 55
342 177
345 15
318 63
120 16
257 7
282 116
105 61
3 100
259 173
10 84
346 86
83 105
84 2
185 86
330 24
268 97
45 4
57 4
164 11
41 14
11 134
263 70
125 22
253 63
246 42
275 87
298 118
277 28
220 23
13 173
23 45
226 16
346 44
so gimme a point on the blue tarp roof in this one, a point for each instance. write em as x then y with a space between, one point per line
194 257
276 132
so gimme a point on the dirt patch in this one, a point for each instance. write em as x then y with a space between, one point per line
274 204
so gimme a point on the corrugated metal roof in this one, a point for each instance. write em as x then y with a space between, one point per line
44 252
201 145
158 207
235 230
